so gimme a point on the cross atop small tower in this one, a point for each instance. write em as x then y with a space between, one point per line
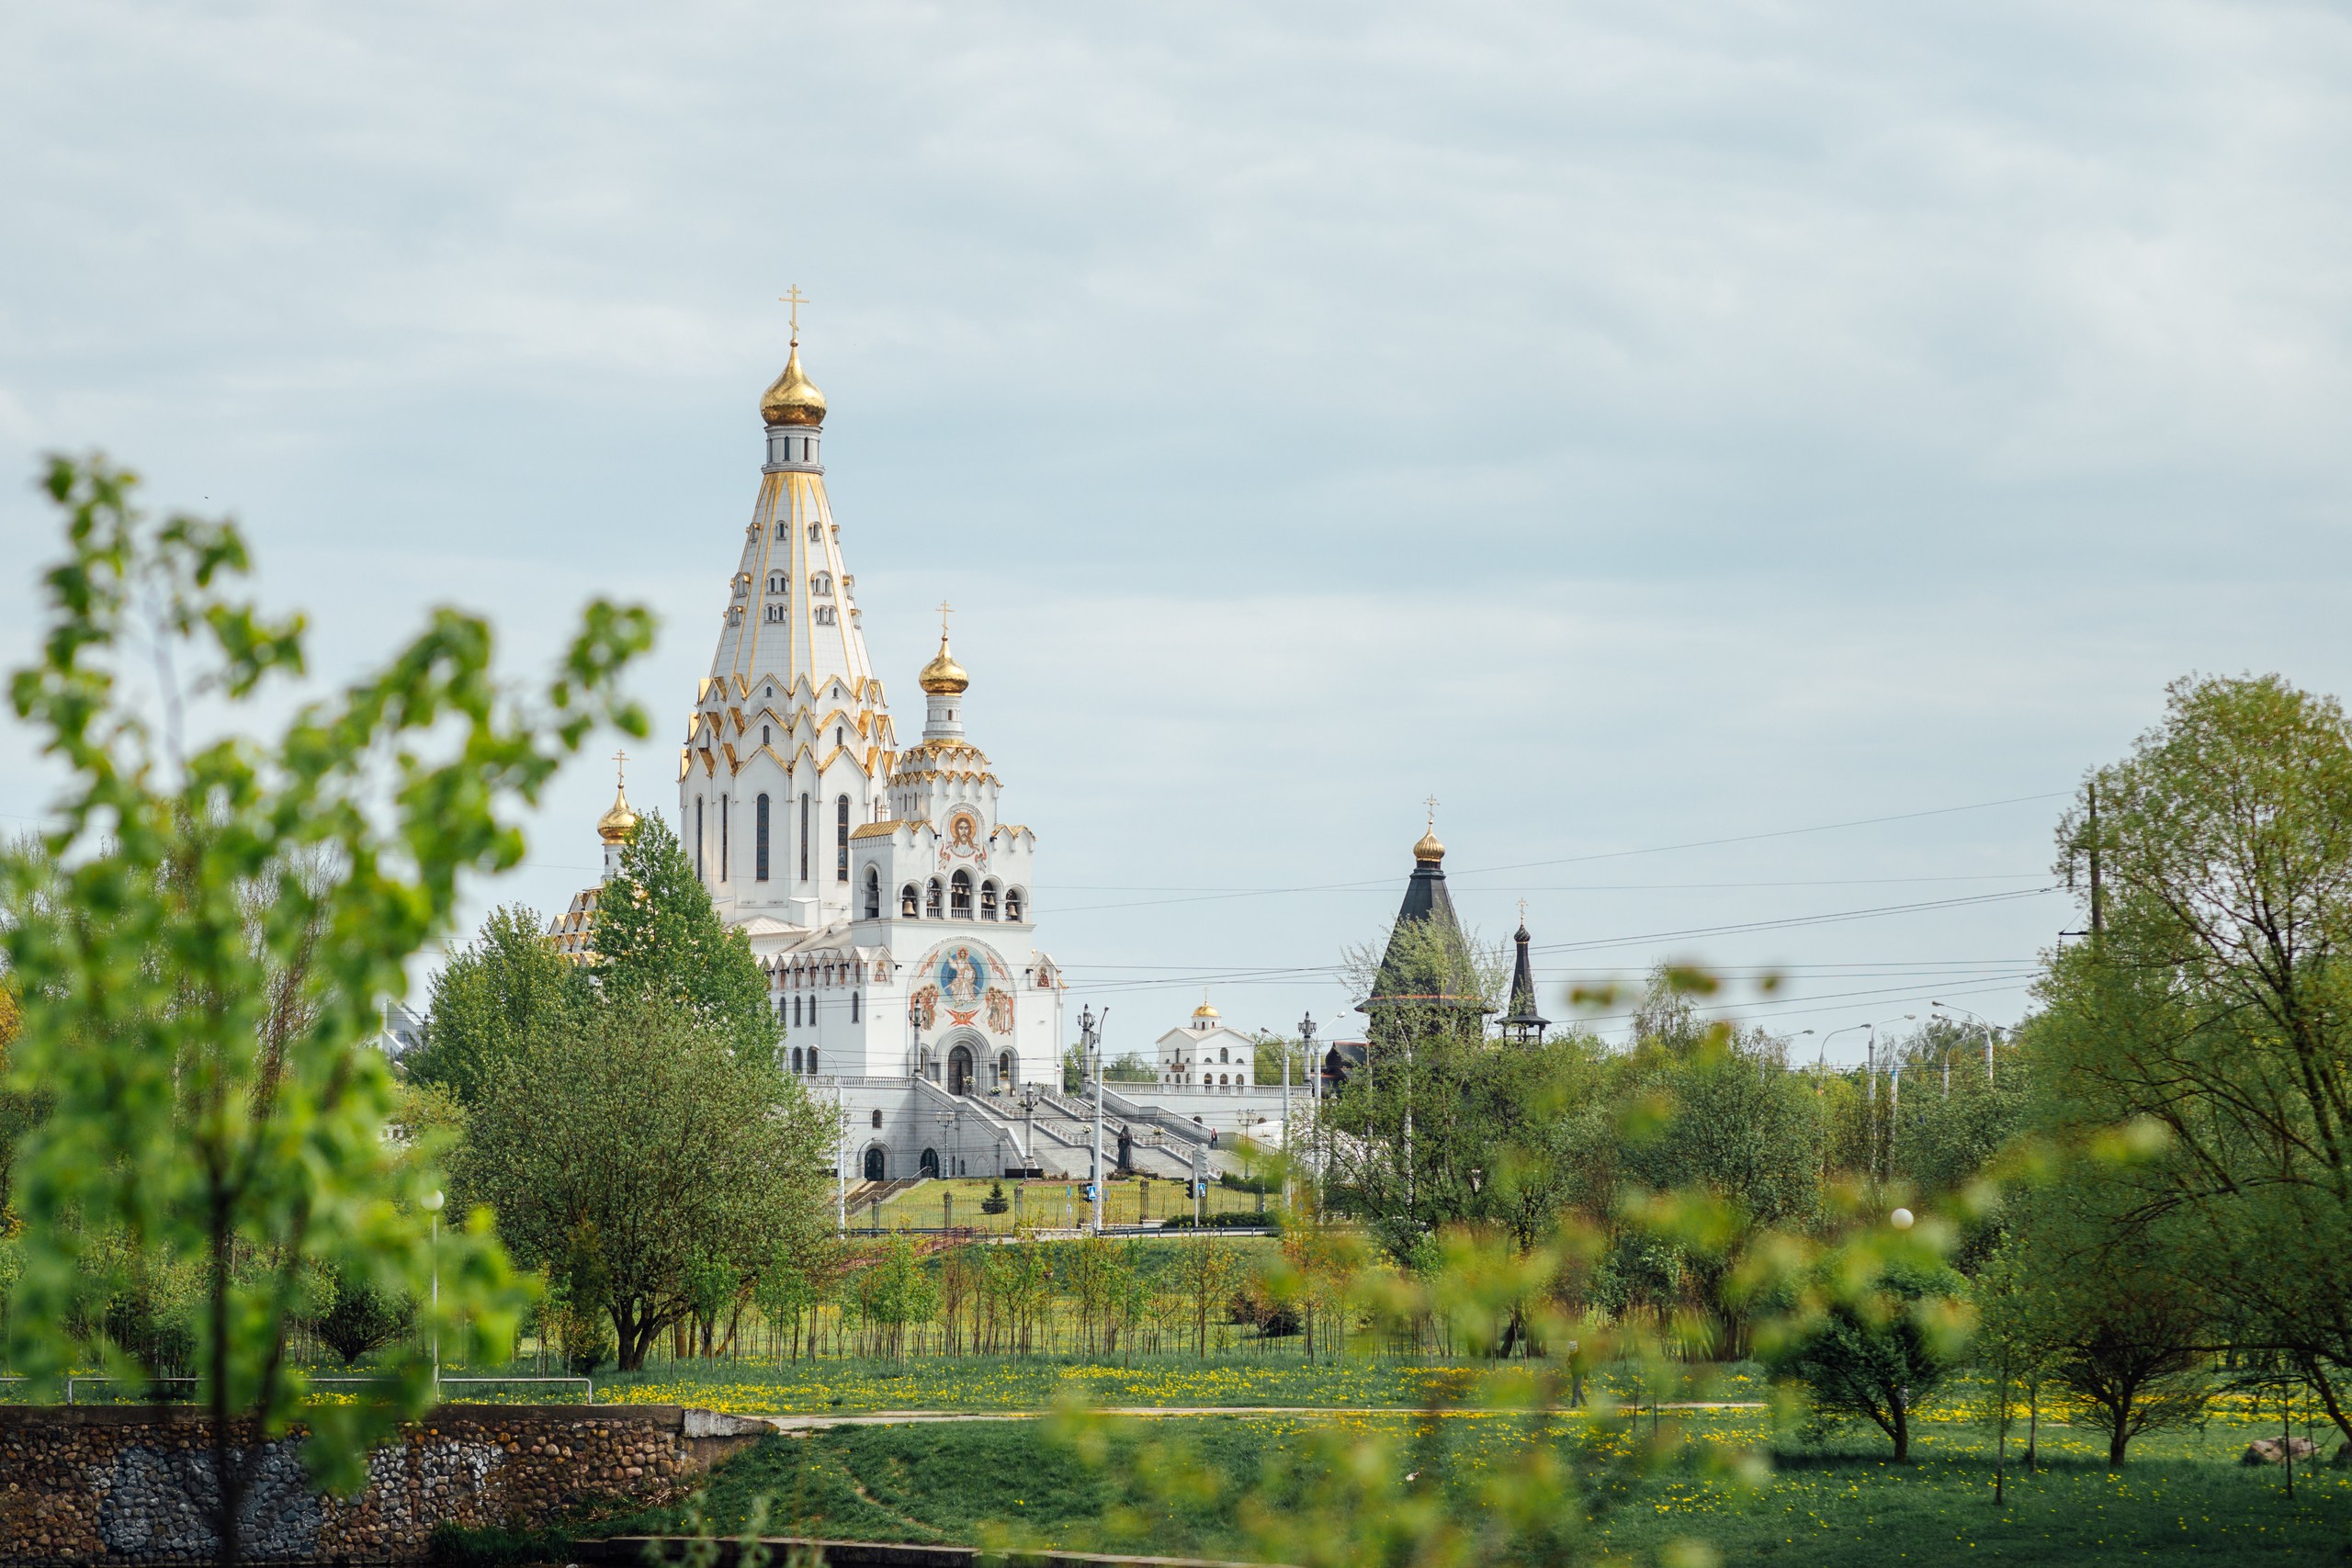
621 769
946 610
1431 803
795 298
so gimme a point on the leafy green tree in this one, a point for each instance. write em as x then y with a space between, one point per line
507 985
2214 1004
1131 1067
657 937
1878 1353
202 944
2130 1328
652 1132
359 1318
2017 1342
1410 1154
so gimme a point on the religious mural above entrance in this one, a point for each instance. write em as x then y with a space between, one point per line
963 981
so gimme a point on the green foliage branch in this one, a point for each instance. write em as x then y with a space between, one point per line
202 943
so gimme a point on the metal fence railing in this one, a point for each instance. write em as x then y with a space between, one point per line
75 1380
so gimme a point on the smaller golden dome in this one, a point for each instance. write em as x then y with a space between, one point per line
1204 1010
619 822
792 398
1428 851
942 675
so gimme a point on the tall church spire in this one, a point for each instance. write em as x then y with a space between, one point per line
790 743
1427 962
791 610
1524 1022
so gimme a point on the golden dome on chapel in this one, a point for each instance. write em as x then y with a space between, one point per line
1204 1011
792 398
617 823
1428 851
942 675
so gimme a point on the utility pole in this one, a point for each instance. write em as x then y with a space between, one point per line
1307 1055
1090 1031
2098 906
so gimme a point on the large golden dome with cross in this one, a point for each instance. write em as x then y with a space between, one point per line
792 398
943 676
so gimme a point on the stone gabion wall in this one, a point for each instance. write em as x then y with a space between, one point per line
125 1484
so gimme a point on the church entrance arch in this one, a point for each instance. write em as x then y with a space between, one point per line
876 1164
959 1070
931 1163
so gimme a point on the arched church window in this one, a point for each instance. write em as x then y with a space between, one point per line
854 1013
795 1010
878 1119
760 840
777 583
780 527
840 838
795 1058
779 1012
988 900
1222 1056
930 898
1013 901
959 895
1003 1068
821 583
873 894
907 901
766 738
816 533
813 1061
804 836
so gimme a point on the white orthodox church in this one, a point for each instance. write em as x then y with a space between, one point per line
884 892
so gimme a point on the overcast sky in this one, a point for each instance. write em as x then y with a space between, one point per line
1635 424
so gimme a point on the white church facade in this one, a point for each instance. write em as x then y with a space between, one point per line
882 889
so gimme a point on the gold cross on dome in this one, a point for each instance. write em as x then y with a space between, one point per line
946 610
1522 911
794 297
620 768
1431 804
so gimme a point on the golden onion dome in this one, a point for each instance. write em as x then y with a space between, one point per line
792 398
942 675
1204 1011
1428 851
619 822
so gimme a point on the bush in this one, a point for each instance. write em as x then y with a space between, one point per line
1875 1355
1220 1222
361 1319
996 1202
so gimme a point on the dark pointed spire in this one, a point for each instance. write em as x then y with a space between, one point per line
1426 903
1524 1021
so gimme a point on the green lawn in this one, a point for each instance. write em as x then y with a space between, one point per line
2183 1495
1028 1383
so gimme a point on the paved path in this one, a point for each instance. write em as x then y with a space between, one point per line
913 1417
